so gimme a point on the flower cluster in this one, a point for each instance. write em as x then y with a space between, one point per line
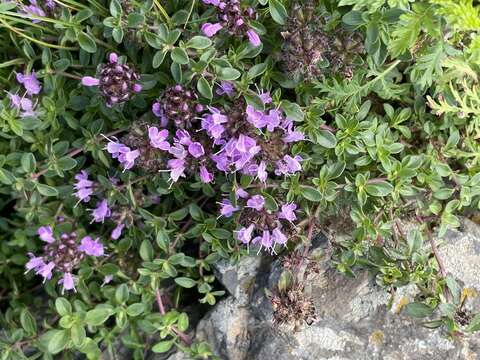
62 255
260 226
178 105
88 190
36 10
233 19
25 104
117 82
253 142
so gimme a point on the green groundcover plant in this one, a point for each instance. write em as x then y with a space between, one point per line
143 141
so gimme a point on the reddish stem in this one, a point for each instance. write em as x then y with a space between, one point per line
184 337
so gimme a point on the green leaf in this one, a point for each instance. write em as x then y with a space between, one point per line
122 294
381 188
257 70
185 282
179 56
228 74
6 177
277 11
146 250
418 310
98 316
87 43
199 42
162 346
135 19
326 139
135 309
58 341
293 111
204 88
28 162
474 324
47 190
115 8
311 193
63 306
414 240
158 58
66 163
78 334
28 322
353 18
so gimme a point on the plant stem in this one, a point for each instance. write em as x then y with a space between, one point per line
184 337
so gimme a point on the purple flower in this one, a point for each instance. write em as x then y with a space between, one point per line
288 212
196 149
117 232
256 202
68 282
211 2
23 104
265 240
137 88
211 29
157 138
205 175
113 58
288 165
123 153
226 208
226 88
107 279
50 4
278 237
240 193
253 38
293 136
35 10
83 186
46 270
90 81
262 171
35 263
91 247
30 83
101 212
245 234
46 234
255 117
265 97
177 168
272 120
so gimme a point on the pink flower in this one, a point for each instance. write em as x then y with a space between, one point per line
46 234
205 175
101 212
211 29
288 212
158 138
245 234
117 232
91 247
68 282
90 81
256 202
253 38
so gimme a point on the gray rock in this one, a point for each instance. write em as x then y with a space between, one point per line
238 279
356 319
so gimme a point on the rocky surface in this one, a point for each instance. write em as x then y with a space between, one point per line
355 318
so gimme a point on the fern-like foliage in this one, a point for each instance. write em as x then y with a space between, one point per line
461 15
